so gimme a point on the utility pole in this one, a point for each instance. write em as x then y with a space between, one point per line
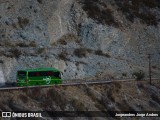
149 57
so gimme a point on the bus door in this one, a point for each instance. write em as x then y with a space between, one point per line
22 77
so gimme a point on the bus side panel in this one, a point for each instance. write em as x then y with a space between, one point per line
32 81
55 80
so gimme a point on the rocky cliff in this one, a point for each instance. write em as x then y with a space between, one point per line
85 39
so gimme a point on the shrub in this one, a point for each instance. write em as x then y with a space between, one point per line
131 8
22 44
81 52
23 22
139 75
63 55
32 44
150 3
15 52
98 11
9 44
100 53
40 50
40 1
124 74
66 39
148 18
63 42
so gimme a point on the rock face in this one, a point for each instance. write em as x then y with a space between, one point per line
84 39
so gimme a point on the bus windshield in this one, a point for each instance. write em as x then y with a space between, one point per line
57 74
21 74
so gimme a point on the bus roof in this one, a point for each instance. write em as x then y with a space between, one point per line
41 69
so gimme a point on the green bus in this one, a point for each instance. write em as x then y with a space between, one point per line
39 76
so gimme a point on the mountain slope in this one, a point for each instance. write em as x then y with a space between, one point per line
85 39
118 96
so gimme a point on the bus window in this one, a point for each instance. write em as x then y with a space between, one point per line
43 73
49 73
57 74
21 74
37 74
32 74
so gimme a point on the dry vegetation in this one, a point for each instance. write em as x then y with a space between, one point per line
63 55
100 53
40 1
41 50
139 75
121 96
98 11
66 39
11 44
82 52
23 22
133 9
14 52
